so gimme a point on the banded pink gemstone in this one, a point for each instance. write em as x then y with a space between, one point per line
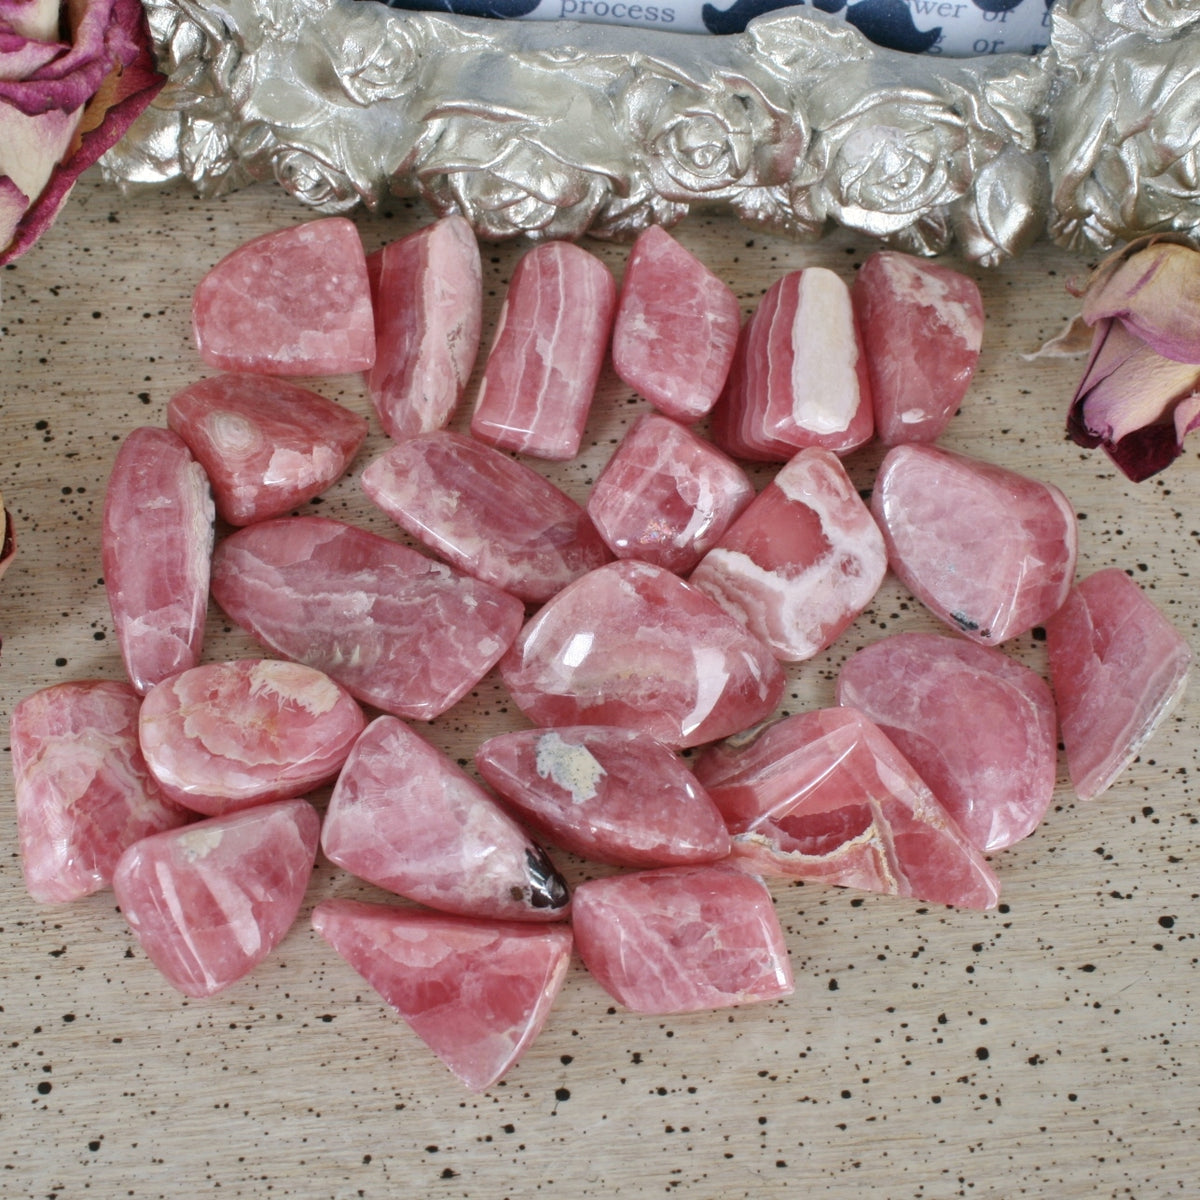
682 939
801 562
989 551
83 791
550 344
229 735
405 817
394 628
156 543
477 993
266 445
487 513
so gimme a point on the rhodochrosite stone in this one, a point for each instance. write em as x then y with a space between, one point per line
292 302
681 939
156 544
550 344
405 817
427 290
397 630
825 796
486 513
922 328
476 992
229 735
991 552
801 562
666 496
82 789
209 902
632 645
676 327
267 445
613 795
1118 668
978 727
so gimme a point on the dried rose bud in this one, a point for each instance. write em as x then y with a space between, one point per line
8 538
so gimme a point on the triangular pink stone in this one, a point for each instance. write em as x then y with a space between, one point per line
476 992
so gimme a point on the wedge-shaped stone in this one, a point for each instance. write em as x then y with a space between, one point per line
632 645
989 551
825 796
978 727
292 302
405 817
156 547
477 993
613 795
396 629
486 513
82 788
1118 668
266 444
209 902
682 939
802 561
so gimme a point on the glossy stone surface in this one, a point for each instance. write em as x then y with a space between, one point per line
229 735
427 290
396 629
1118 668
551 341
82 789
209 902
292 302
825 796
486 513
922 329
632 645
666 496
676 327
267 445
682 939
989 551
477 993
978 727
612 795
407 818
802 561
156 543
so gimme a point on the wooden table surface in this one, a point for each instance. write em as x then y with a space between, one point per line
1048 1048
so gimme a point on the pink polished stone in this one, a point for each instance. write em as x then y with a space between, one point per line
267 445
230 735
666 496
292 302
825 796
682 939
405 817
801 562
676 327
428 297
156 544
82 789
477 993
632 645
922 327
978 727
1118 668
486 513
397 630
989 551
613 795
549 347
209 902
